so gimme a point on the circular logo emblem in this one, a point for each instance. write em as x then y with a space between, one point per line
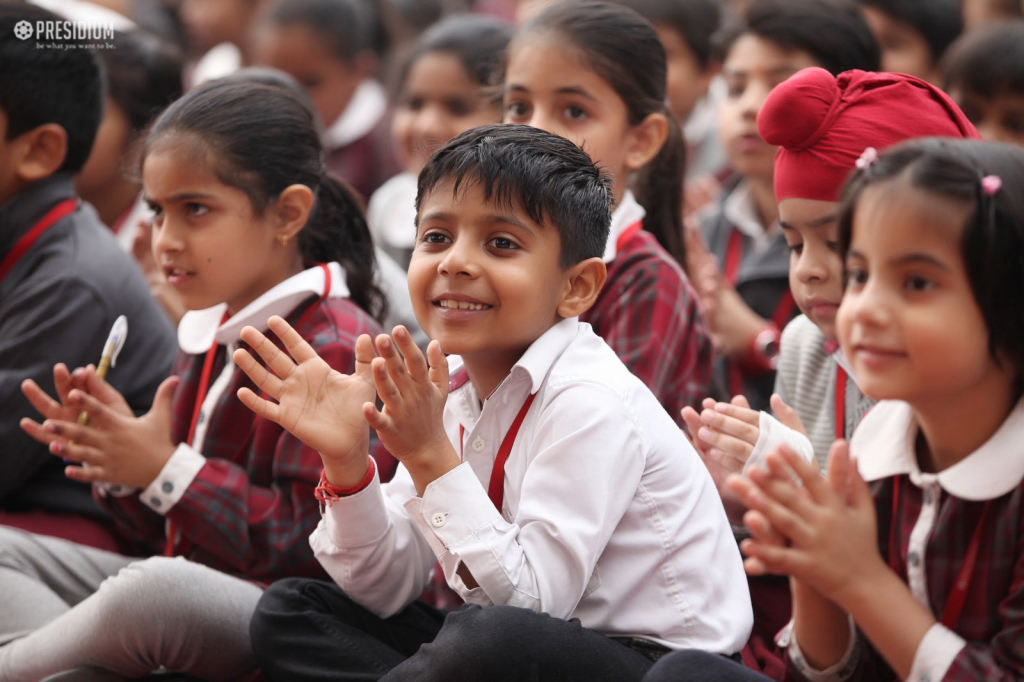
23 30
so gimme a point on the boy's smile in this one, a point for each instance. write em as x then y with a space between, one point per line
485 279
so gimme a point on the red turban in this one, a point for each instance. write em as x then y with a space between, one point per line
823 124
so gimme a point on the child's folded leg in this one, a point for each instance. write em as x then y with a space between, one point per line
505 643
691 665
154 613
312 630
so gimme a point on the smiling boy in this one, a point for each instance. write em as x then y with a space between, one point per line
541 475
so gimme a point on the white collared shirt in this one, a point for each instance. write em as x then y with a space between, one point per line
368 104
884 445
196 333
609 515
741 211
627 213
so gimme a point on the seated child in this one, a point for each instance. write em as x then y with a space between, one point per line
984 73
570 72
542 475
746 290
906 561
328 46
822 124
914 34
63 278
247 225
447 87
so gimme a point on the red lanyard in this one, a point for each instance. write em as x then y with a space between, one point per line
628 234
204 383
840 402
496 487
958 595
62 209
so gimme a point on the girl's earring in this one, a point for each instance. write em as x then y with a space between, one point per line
284 240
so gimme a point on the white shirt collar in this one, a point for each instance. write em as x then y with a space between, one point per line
364 111
740 210
840 357
625 214
199 328
884 446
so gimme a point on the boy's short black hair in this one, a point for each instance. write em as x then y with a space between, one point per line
40 85
529 169
938 21
347 27
992 244
988 61
694 20
833 32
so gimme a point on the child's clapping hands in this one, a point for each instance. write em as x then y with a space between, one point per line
332 412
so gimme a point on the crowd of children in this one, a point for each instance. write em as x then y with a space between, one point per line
653 340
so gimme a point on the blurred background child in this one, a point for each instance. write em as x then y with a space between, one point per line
914 34
984 73
217 32
745 287
979 12
448 85
329 47
596 73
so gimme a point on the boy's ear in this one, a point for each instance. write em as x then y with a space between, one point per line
40 152
292 208
645 140
584 282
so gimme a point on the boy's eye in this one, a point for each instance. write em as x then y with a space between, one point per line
918 283
459 107
735 89
856 276
195 210
796 248
833 245
435 238
503 243
413 103
517 110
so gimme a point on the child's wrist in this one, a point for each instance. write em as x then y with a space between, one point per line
865 586
428 464
348 472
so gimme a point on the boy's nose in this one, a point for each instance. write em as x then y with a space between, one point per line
458 261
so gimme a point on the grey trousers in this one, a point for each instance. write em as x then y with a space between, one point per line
67 607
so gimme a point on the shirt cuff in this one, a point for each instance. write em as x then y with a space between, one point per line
842 669
935 654
774 433
453 507
355 520
173 480
115 490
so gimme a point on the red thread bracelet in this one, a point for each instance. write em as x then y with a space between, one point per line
325 492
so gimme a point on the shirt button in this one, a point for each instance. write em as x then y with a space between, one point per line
478 443
155 501
167 486
202 418
438 519
914 558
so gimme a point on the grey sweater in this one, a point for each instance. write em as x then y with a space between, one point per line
58 304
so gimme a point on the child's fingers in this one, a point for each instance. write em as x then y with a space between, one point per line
772 559
740 400
264 380
63 381
279 363
364 356
693 423
377 420
731 426
44 404
438 367
778 515
386 388
761 529
262 407
36 431
394 363
808 473
729 444
93 474
77 452
838 469
738 412
786 414
99 414
415 363
88 380
292 340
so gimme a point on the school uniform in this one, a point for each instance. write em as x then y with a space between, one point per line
756 262
606 524
391 216
237 503
650 315
358 144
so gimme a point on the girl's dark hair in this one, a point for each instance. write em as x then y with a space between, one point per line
993 240
623 49
261 139
347 27
988 61
143 74
696 21
833 32
938 21
478 42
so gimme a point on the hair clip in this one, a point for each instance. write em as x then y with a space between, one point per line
991 184
867 159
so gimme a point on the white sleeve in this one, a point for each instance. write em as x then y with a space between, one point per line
368 544
774 433
841 670
585 467
935 654
173 480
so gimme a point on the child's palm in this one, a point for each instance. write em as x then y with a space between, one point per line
319 405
